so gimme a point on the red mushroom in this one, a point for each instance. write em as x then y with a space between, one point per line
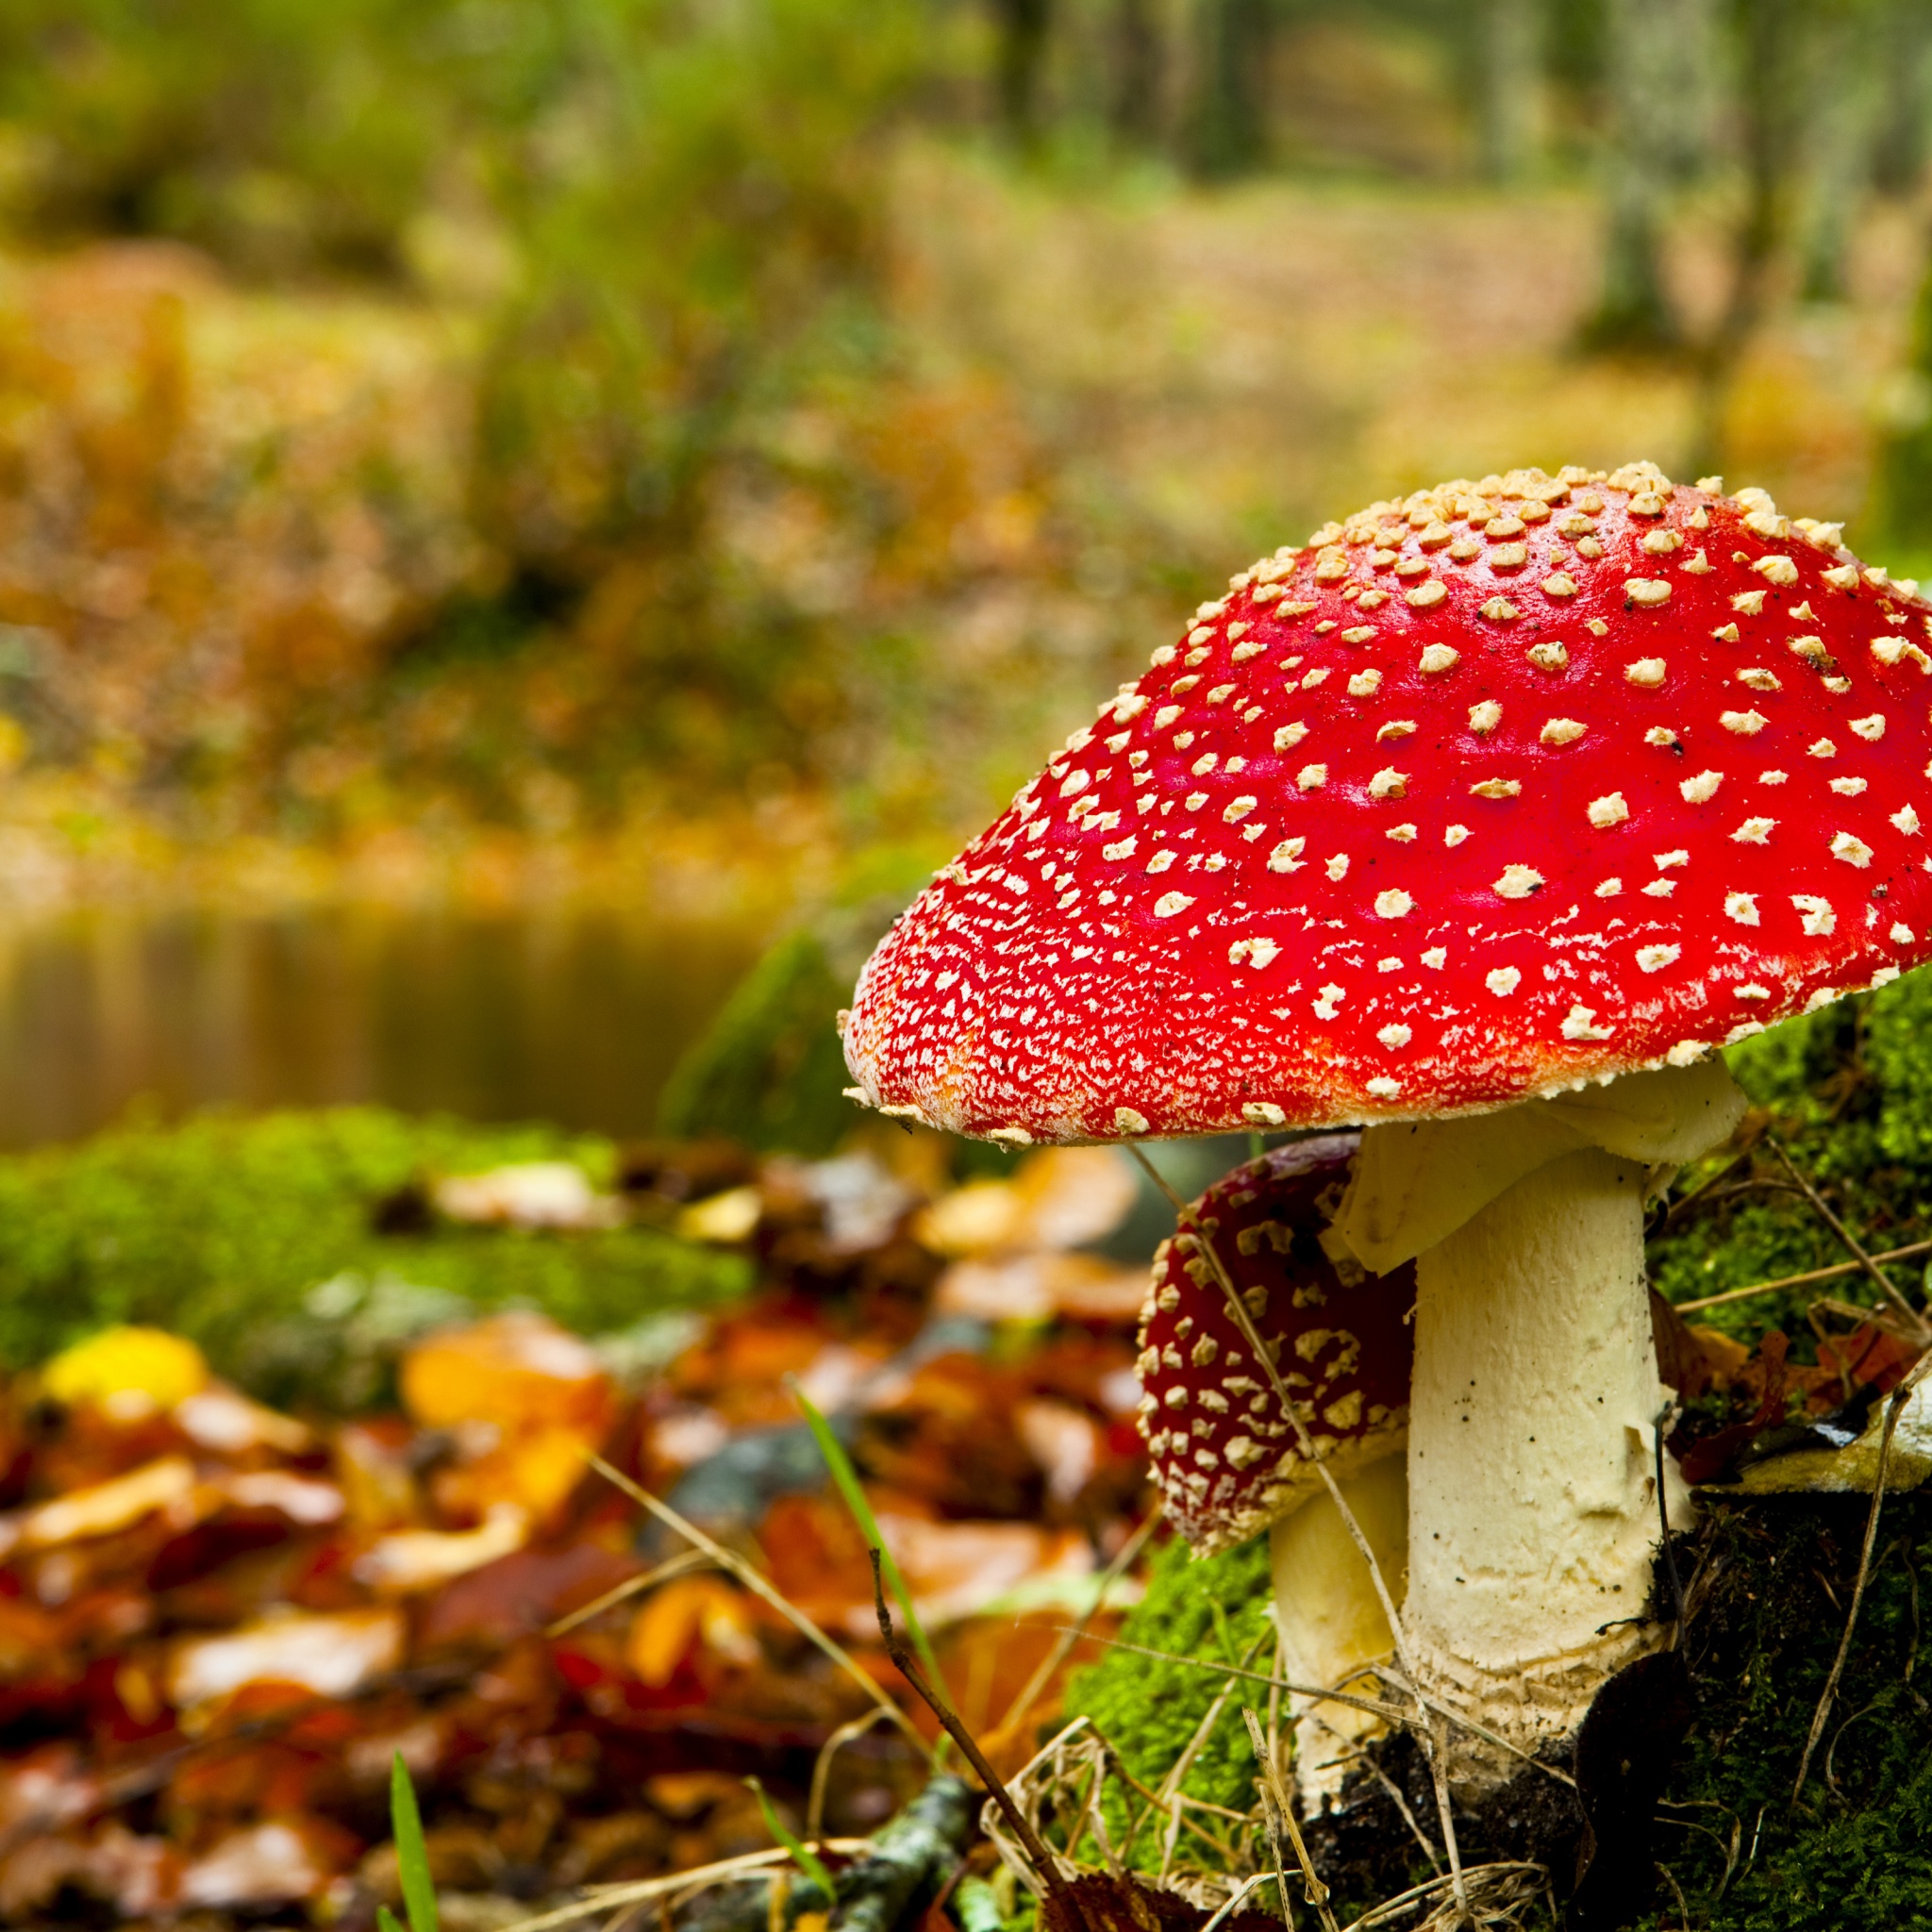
1229 1464
1480 802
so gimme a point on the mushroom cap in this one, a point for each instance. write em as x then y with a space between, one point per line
1485 795
1225 1458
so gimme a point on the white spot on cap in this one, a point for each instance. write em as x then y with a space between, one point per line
1129 707
1425 597
1290 735
1123 849
1285 856
1870 729
1610 889
1311 777
1562 731
1388 783
1655 958
1076 781
1171 903
1851 850
1485 717
1549 657
1613 809
1383 1087
1330 1004
1753 993
1580 1024
1239 809
1776 570
1127 1119
1496 788
1165 716
1338 866
1455 835
1901 935
1364 684
1393 903
1436 958
1504 980
1848 788
1754 832
1742 907
1687 1053
1161 861
1645 671
1518 882
1258 953
1906 819
1396 727
1745 723
1262 1113
1397 1035
1647 592
1820 920
1704 786
1821 748
1437 658
1016 1137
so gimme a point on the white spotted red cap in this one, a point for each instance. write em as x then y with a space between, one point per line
1504 787
1228 1462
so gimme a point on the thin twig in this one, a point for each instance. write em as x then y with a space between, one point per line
603 1898
821 1766
1042 1859
1237 1895
1037 1683
753 1582
1434 1741
1912 1252
1394 1713
661 1573
1168 1797
1894 1408
1314 1891
1851 1242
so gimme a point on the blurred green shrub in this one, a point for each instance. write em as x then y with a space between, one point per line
222 1228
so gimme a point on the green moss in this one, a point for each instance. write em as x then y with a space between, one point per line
219 1228
1149 1709
770 1069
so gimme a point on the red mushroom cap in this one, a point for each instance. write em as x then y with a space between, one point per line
1484 794
1226 1460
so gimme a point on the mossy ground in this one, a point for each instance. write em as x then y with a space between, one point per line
1849 1093
222 1228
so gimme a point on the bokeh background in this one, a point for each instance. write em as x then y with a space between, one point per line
511 508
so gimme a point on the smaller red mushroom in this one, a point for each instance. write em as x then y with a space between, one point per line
1227 1460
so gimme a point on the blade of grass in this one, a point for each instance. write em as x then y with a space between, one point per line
792 1844
760 1587
846 1479
413 1854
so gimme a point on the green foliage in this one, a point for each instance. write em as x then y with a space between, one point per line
769 1071
276 131
219 1228
413 1853
1150 1709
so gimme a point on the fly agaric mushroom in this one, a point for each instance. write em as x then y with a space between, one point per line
1369 846
1228 1462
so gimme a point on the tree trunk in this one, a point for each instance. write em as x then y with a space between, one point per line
1508 87
1230 126
1904 38
1658 55
1025 27
1848 110
1134 110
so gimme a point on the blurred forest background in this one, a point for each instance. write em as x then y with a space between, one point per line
693 455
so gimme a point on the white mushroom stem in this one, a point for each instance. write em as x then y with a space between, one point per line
1331 1621
1533 1512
